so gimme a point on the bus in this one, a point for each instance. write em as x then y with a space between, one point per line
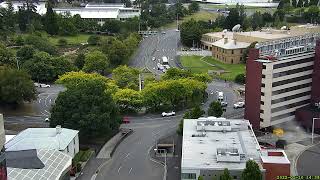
165 61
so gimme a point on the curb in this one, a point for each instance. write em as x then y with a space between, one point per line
295 160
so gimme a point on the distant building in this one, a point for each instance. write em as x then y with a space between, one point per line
252 3
61 139
3 167
282 76
228 47
212 144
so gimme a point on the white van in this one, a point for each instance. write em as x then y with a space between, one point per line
220 96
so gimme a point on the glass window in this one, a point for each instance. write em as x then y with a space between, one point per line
279 83
292 71
188 176
287 98
291 88
291 63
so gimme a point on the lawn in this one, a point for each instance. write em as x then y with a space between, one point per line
201 15
194 64
72 40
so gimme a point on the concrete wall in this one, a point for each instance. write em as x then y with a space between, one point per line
315 91
73 148
253 89
2 132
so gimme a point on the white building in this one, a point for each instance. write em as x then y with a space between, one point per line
61 139
40 7
252 3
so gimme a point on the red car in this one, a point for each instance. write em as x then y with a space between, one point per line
125 120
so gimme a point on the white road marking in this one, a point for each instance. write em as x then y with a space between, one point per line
127 155
130 170
119 169
47 111
39 101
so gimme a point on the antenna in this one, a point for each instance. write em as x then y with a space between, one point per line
236 28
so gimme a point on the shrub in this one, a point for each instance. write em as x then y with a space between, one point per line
62 42
94 40
240 79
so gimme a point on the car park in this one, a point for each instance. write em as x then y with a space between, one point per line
239 105
167 114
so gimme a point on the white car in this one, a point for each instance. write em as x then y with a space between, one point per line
36 84
224 103
177 30
47 120
166 114
153 58
163 32
239 105
44 85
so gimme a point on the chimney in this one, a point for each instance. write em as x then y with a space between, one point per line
222 35
225 40
235 41
58 129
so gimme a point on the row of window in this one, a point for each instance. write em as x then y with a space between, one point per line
289 106
287 81
282 116
291 63
291 88
292 71
287 98
188 176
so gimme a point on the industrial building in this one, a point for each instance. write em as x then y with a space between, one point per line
282 76
212 144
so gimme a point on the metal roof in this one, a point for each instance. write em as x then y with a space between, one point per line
55 165
218 143
41 138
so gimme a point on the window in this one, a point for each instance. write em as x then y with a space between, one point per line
188 176
261 120
287 98
291 88
263 76
292 71
67 148
232 51
261 111
288 106
283 116
231 61
263 85
261 102
291 63
74 141
263 66
279 83
262 93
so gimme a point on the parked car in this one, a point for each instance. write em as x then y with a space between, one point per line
46 120
44 85
239 105
125 120
224 104
166 114
220 95
163 32
153 58
36 84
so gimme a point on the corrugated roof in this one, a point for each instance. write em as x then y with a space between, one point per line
41 138
230 44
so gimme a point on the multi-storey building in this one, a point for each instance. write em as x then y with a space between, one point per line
279 79
3 167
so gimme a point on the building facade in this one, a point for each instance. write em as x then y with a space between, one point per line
279 79
3 167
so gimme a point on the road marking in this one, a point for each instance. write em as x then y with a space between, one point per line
50 100
127 155
119 169
130 170
39 100
47 111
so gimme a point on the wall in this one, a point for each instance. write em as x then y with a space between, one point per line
315 91
226 56
209 174
274 170
73 148
253 89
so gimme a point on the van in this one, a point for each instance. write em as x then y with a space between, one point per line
220 95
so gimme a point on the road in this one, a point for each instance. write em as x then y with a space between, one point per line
306 163
156 46
131 158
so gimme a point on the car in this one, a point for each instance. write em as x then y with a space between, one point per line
220 95
46 120
125 120
238 105
145 36
44 85
153 58
163 32
224 104
167 114
177 30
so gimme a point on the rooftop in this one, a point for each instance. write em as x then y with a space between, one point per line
267 34
38 164
230 44
41 138
217 143
228 34
274 156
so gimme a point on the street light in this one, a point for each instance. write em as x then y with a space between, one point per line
313 119
165 162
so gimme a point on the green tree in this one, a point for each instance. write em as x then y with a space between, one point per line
246 51
95 61
41 43
232 19
200 178
79 61
15 86
251 172
7 56
94 40
25 53
126 77
117 53
240 79
257 20
300 3
88 108
294 3
62 42
67 26
312 14
112 26
215 109
128 100
191 33
50 20
306 3
226 175
194 7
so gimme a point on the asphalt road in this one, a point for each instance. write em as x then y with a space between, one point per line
156 46
131 158
307 162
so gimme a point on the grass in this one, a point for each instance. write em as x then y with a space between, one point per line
201 15
72 40
82 156
194 64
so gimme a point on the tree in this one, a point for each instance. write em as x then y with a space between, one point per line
193 7
25 53
7 56
251 172
62 42
226 175
246 51
86 107
200 178
50 20
128 100
232 19
257 20
94 40
312 14
15 86
126 77
300 3
96 61
112 26
79 61
294 3
67 26
215 109
191 33
240 79
117 53
194 113
40 43
306 3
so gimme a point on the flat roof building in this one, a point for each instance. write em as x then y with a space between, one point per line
212 144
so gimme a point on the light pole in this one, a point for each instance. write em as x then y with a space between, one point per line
165 162
313 119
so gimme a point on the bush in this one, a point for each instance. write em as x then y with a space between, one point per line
94 40
62 42
19 41
240 79
215 109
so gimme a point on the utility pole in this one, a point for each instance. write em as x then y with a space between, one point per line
140 82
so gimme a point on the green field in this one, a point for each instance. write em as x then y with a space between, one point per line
201 15
194 64
72 40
